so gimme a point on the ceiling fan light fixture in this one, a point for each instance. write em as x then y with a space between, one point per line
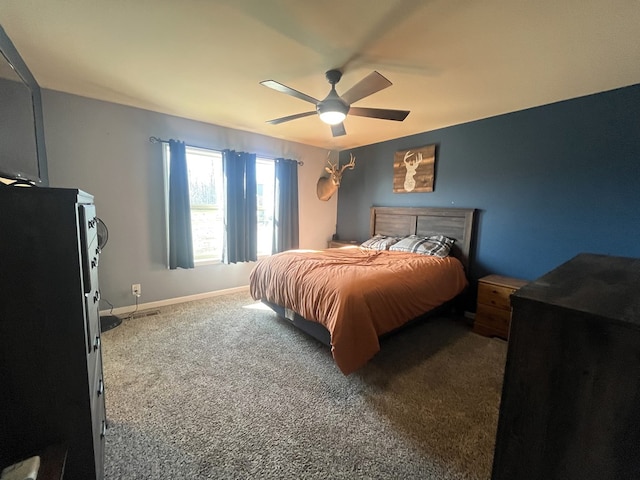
332 117
332 110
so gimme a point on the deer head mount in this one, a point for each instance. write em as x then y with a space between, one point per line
327 186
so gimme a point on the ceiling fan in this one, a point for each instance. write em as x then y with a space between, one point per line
334 108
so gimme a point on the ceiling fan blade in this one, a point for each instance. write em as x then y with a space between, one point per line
379 31
338 130
276 121
372 83
289 91
382 113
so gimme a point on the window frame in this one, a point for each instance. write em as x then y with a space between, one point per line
260 159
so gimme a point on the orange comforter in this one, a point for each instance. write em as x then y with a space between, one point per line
356 294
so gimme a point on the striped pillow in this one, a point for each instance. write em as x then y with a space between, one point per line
379 242
435 245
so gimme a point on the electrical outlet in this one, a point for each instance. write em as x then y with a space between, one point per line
136 290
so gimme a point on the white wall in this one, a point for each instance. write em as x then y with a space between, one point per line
104 149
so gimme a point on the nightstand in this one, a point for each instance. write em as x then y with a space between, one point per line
342 243
493 312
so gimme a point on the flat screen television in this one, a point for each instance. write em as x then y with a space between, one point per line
22 151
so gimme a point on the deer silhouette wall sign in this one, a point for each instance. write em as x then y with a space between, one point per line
327 186
413 170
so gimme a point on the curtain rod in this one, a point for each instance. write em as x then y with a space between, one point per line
160 140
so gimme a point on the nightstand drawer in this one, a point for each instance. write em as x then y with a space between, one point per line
493 320
495 295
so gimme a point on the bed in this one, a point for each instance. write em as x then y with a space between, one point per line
351 297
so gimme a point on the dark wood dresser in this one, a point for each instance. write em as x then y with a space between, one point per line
571 395
51 387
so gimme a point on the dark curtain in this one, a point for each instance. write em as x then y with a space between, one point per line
286 224
180 242
241 207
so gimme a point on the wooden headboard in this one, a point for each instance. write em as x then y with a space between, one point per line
455 223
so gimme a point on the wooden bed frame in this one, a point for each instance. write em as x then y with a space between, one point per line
455 223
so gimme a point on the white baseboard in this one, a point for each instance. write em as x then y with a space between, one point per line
173 301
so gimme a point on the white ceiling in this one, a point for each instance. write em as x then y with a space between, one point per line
450 61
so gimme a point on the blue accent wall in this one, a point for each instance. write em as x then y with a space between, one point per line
549 182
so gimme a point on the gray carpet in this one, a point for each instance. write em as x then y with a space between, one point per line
215 389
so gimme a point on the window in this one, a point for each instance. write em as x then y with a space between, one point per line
207 197
265 179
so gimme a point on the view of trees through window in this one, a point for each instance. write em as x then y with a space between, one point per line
265 177
207 197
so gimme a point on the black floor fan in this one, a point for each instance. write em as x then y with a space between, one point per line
107 322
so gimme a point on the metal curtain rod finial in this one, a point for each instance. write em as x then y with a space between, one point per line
160 140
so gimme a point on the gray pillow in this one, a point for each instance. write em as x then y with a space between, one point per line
379 242
434 245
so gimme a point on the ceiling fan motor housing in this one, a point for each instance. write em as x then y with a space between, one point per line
332 103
